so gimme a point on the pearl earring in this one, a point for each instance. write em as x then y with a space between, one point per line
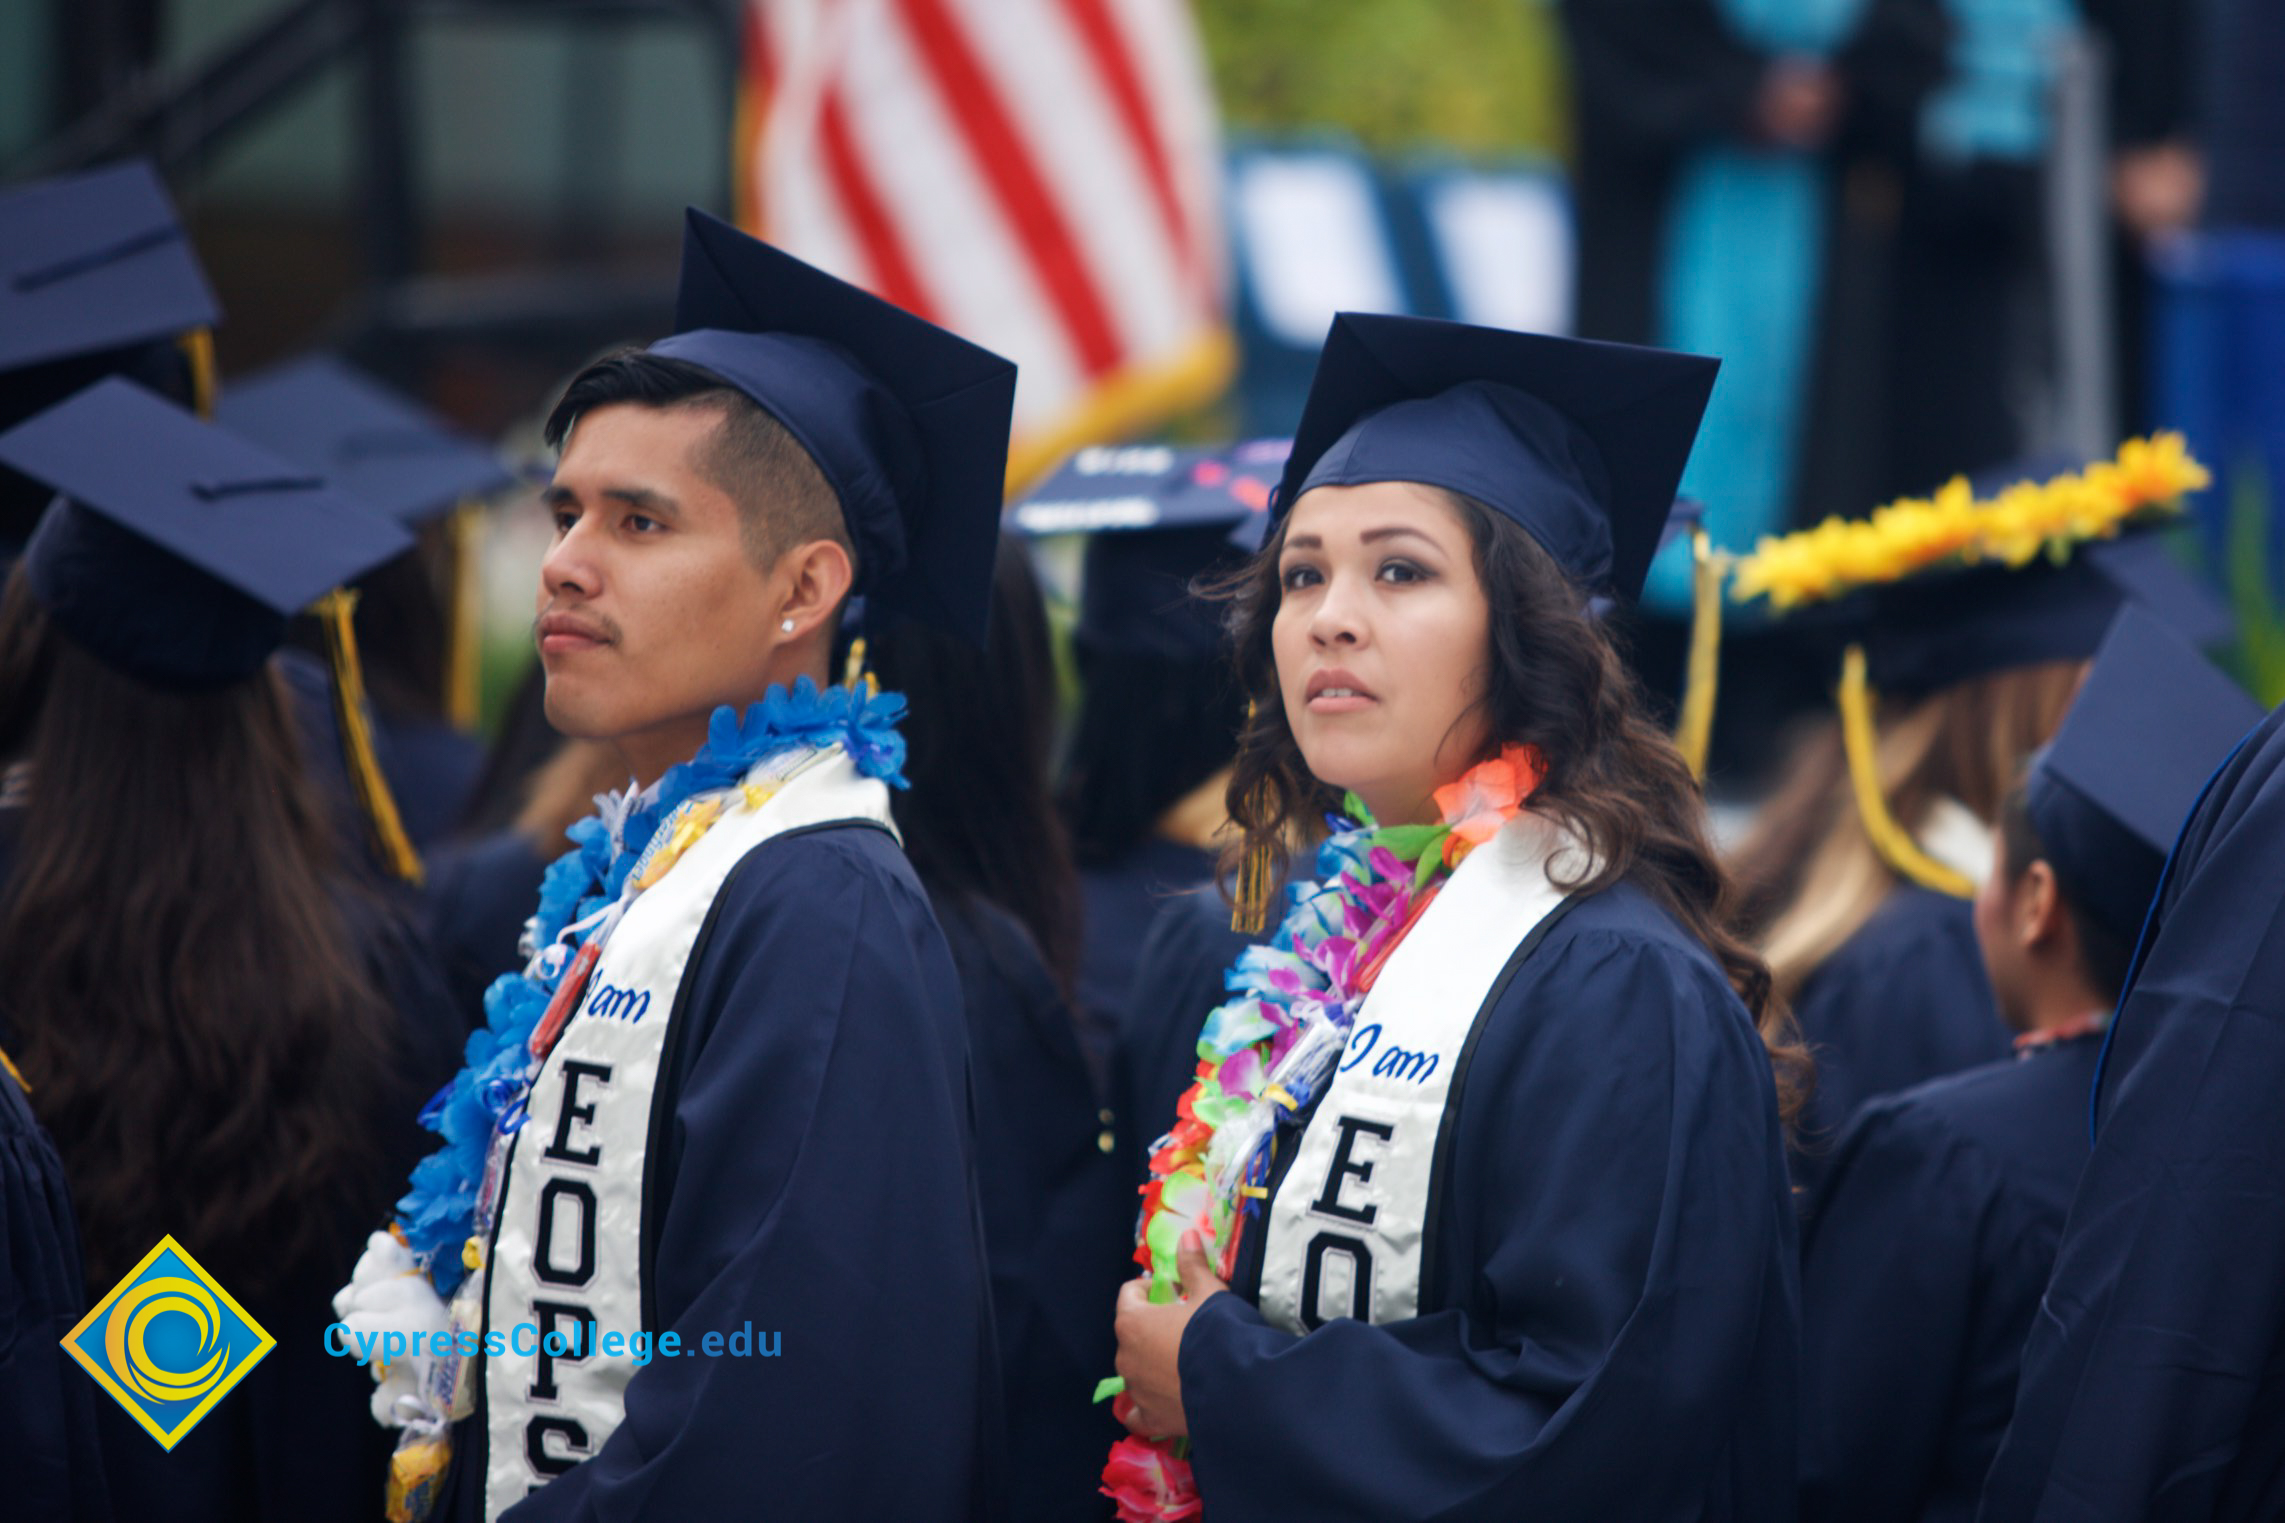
787 626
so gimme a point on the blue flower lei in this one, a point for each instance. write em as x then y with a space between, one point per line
438 1214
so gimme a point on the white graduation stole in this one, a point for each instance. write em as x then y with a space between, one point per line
567 1254
1347 1225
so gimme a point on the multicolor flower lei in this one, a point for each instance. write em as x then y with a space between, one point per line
1954 528
437 1215
1266 1053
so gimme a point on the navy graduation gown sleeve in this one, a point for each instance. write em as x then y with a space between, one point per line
2154 1380
1058 1218
1923 1259
54 1472
1615 1328
1903 1001
817 1183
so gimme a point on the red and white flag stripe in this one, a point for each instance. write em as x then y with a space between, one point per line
1042 176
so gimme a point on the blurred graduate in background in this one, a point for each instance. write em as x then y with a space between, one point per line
1909 1359
228 1053
980 826
415 629
1951 675
2153 1382
1149 752
1163 519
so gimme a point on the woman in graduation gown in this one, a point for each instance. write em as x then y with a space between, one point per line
1962 671
217 1021
1882 970
981 830
1482 1210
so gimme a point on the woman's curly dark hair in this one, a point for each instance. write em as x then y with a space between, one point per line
1556 682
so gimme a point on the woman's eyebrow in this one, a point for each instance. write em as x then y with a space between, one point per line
1391 530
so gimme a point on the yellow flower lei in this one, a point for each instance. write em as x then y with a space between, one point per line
2147 478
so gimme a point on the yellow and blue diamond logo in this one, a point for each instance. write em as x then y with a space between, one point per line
168 1342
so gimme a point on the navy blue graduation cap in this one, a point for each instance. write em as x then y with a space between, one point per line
1159 516
380 448
92 262
908 422
177 553
1929 632
2109 793
1581 443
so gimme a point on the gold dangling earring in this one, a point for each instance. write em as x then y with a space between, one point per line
1249 911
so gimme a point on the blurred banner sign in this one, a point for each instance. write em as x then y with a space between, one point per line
1040 176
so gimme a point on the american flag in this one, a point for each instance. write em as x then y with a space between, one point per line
1041 176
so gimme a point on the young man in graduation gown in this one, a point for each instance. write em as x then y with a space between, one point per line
751 1136
2153 1383
1909 1354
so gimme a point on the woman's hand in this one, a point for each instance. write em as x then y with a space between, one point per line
1150 1344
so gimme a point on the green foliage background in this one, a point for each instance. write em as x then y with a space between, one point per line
1476 76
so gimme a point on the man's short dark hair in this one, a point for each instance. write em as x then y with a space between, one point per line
783 498
2104 955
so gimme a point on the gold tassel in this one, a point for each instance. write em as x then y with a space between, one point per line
1890 839
853 669
1249 908
1694 728
198 347
336 612
464 636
